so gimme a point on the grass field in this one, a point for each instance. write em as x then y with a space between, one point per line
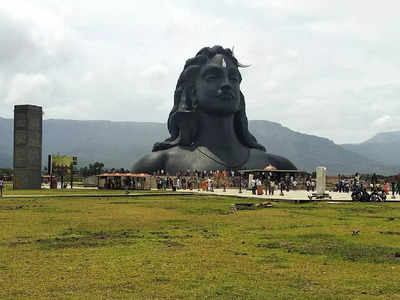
193 248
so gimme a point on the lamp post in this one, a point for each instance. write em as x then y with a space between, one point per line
72 176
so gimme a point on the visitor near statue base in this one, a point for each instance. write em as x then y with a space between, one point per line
1 187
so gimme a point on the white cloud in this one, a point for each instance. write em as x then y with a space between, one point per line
25 88
381 121
155 71
386 123
324 67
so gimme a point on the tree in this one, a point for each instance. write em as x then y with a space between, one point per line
6 172
93 169
84 171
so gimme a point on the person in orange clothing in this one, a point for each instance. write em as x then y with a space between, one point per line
259 187
204 185
386 188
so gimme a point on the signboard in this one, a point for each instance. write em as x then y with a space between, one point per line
61 164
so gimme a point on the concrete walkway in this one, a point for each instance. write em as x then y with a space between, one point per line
298 195
295 196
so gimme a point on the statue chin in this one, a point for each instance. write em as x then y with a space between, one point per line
218 110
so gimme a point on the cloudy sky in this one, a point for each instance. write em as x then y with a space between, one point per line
329 68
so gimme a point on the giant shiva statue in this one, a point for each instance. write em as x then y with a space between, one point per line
208 123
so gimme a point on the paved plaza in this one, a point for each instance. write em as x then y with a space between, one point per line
290 196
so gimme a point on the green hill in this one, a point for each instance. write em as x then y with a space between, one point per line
120 144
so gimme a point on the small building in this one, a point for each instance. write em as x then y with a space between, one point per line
131 181
90 181
51 180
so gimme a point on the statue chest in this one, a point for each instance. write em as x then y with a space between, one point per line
182 159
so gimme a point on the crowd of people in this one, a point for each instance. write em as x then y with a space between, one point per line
190 180
362 188
272 183
360 193
208 180
367 188
186 183
128 183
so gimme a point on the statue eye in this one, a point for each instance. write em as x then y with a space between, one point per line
210 77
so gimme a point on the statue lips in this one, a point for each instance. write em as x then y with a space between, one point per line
226 96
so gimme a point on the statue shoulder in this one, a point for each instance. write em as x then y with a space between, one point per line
172 160
260 159
280 162
151 162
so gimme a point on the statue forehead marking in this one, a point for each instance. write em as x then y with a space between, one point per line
220 60
223 63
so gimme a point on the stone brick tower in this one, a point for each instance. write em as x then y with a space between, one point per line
28 120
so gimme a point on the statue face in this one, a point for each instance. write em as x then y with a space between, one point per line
217 86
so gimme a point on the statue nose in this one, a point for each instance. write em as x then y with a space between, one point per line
226 84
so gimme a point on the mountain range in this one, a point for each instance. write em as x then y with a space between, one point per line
120 144
383 147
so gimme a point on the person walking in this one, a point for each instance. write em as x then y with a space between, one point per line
308 185
259 187
386 188
272 187
393 189
253 186
209 184
294 184
282 186
1 187
267 186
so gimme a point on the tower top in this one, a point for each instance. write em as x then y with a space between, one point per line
28 107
